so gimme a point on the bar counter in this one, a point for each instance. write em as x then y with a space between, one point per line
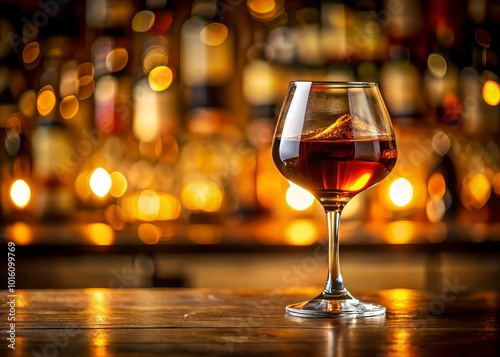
214 322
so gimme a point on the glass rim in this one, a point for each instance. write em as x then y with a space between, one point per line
338 84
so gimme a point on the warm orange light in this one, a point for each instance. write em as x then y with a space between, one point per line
400 232
149 233
436 186
99 234
170 207
13 127
267 9
214 34
20 232
401 192
160 78
119 184
301 232
491 92
69 107
20 193
82 186
204 233
435 210
298 198
360 182
400 298
85 87
154 56
128 205
27 103
100 182
202 195
140 175
143 21
479 189
436 64
31 52
261 6
85 69
496 183
117 59
46 100
148 205
269 180
114 217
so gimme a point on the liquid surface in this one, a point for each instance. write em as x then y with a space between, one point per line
329 167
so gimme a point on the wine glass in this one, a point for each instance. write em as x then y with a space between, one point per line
334 139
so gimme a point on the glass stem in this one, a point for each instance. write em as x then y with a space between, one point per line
334 284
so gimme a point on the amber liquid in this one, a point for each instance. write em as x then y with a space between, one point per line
333 168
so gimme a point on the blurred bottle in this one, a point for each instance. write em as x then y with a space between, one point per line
212 159
207 65
15 154
7 108
400 82
53 168
55 160
155 99
261 91
404 193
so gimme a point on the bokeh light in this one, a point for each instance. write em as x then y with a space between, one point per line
148 205
437 65
100 182
401 192
170 207
143 21
119 184
496 183
435 210
298 198
13 127
99 234
475 191
149 233
20 232
154 56
266 10
400 232
491 92
202 195
69 106
20 193
117 59
160 78
46 100
82 185
214 34
31 52
85 87
261 6
436 185
27 103
301 232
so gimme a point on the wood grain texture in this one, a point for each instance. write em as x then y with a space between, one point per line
187 322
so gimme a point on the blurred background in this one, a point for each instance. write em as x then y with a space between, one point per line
135 142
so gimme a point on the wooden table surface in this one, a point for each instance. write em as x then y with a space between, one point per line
187 322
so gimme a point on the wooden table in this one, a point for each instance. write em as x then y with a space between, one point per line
186 322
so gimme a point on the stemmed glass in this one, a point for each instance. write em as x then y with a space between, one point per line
334 139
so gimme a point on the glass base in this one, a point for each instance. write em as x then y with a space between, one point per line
334 305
